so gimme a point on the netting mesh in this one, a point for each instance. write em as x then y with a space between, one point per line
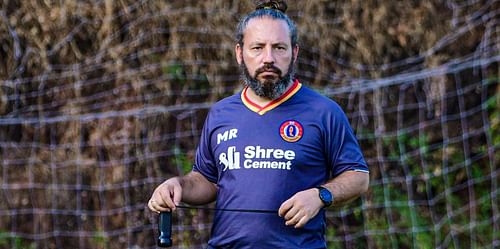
100 101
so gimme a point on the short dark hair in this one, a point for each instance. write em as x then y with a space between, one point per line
266 12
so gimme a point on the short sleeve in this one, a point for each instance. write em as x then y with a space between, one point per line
342 148
204 159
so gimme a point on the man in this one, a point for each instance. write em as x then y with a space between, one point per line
276 145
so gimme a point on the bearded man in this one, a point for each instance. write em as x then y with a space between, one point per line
276 145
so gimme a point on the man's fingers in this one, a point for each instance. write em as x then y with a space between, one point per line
151 207
302 221
299 209
293 219
167 200
285 206
292 212
156 207
177 195
166 196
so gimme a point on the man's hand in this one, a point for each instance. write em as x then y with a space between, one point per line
166 196
301 207
192 188
304 205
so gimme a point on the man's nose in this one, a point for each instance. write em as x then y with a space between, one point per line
268 56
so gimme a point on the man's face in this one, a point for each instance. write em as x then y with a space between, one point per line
267 57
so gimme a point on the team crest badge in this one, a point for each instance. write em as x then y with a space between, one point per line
291 131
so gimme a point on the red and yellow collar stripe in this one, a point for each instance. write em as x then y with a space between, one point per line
261 110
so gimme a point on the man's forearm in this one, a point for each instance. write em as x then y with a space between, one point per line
347 186
196 189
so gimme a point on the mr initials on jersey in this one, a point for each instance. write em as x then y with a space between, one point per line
227 135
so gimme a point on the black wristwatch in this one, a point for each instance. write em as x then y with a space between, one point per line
325 196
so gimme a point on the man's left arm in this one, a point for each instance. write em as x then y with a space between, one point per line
304 205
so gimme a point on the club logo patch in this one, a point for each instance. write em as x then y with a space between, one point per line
291 131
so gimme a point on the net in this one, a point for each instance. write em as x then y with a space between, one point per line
100 101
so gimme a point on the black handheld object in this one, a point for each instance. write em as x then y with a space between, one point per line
165 229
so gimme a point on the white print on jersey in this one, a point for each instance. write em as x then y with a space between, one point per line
227 135
231 159
258 152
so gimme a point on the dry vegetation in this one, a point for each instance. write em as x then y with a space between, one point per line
82 181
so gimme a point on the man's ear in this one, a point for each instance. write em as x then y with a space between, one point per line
295 53
238 51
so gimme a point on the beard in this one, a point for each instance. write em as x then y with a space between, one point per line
270 88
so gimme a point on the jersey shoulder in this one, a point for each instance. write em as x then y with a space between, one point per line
318 102
226 108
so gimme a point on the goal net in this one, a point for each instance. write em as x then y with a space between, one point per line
101 101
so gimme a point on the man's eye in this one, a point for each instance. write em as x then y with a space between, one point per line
256 48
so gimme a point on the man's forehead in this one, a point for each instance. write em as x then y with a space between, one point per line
267 29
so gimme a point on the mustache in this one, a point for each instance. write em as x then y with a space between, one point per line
268 68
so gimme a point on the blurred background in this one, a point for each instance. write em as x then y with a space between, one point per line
102 100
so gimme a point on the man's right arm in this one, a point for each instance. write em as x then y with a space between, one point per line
192 188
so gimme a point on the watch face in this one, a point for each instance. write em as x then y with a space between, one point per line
325 196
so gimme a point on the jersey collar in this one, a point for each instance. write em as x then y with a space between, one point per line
261 110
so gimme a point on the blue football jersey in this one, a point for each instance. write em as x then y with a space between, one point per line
261 156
